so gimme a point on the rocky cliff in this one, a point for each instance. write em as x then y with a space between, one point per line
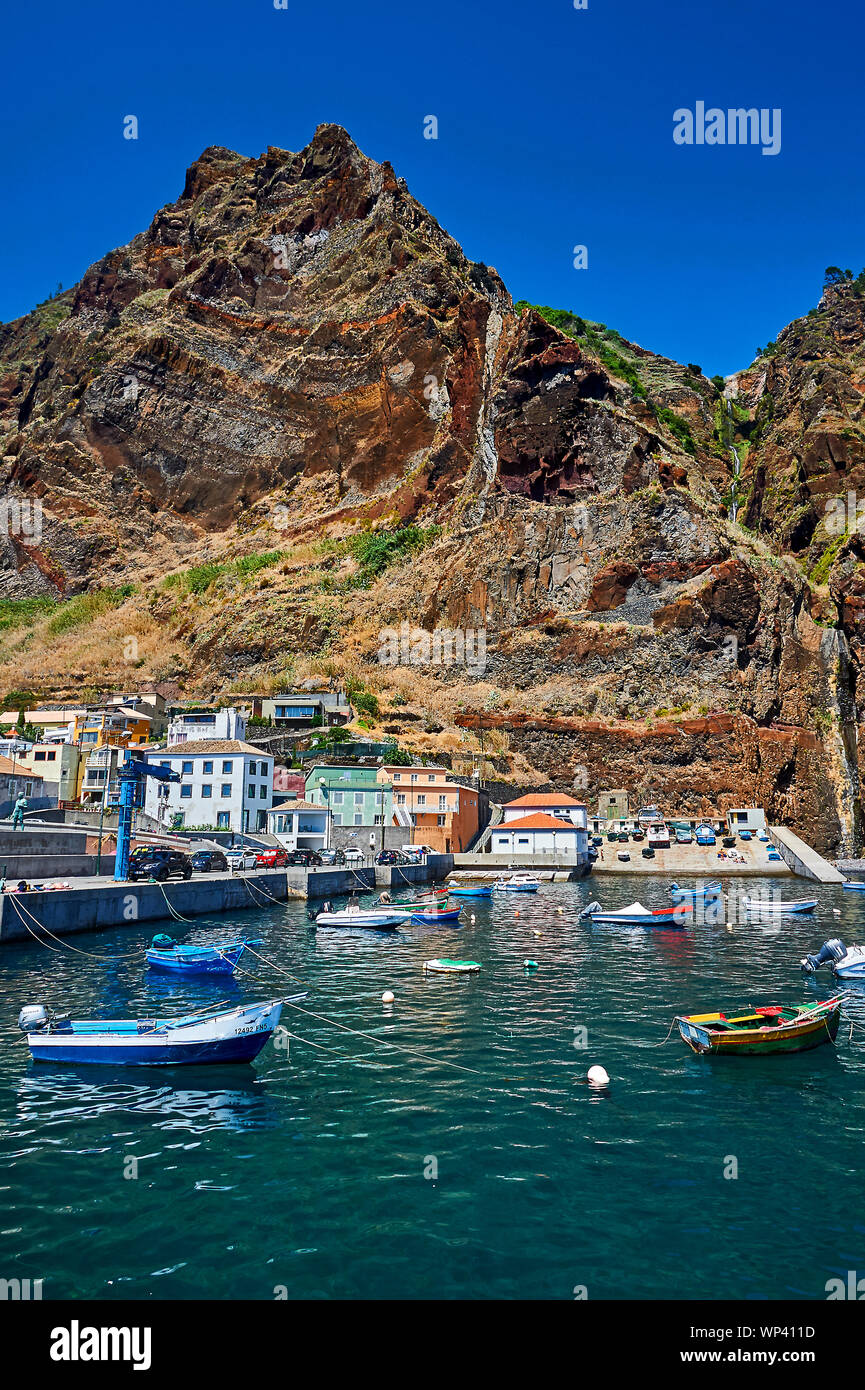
292 413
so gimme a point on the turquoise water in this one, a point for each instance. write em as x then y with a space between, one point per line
305 1174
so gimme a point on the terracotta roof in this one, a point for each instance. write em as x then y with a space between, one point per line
539 821
214 745
544 799
7 765
299 806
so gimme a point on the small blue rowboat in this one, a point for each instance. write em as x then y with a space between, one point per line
432 917
165 955
477 890
227 1035
854 887
694 895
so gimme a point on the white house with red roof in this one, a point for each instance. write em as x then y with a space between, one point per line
543 823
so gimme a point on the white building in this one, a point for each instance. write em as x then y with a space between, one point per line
207 723
225 784
746 818
300 824
557 804
540 833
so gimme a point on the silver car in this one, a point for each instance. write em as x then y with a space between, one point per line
242 859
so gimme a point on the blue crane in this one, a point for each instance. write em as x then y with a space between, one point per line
131 775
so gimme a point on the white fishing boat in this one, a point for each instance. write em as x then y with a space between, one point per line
228 1035
518 883
638 916
377 918
778 908
845 962
658 836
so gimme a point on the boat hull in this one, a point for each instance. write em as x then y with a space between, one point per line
445 918
779 909
470 892
237 1035
853 887
203 963
801 1036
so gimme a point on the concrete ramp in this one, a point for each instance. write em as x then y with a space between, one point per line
801 858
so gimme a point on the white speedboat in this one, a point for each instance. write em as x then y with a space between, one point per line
518 883
377 918
845 962
658 836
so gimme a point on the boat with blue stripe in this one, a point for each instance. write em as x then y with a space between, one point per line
710 892
225 1035
170 958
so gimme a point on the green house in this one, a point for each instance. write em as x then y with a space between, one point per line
351 794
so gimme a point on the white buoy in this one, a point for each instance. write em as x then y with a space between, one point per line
387 997
473 918
597 1076
836 912
535 933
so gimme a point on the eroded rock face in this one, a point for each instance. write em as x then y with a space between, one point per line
296 334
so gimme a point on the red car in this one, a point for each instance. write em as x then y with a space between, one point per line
271 859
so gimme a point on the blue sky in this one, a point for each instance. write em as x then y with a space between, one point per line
555 130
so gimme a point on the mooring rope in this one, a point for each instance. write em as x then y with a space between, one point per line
97 955
178 917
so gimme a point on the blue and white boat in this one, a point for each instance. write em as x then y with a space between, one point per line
518 883
779 908
704 835
167 956
227 1035
470 890
853 886
710 892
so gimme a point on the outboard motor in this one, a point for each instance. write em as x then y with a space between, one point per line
33 1018
829 953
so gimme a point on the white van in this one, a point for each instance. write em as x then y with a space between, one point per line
415 851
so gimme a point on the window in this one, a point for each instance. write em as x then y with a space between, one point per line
337 820
338 798
358 818
400 798
51 757
38 757
250 792
165 764
397 776
186 769
227 767
206 790
358 798
443 803
186 792
262 791
222 820
440 820
414 777
377 820
208 769
226 789
421 801
522 839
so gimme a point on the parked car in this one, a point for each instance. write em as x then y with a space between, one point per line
303 858
392 856
241 858
160 864
209 861
271 859
331 856
354 856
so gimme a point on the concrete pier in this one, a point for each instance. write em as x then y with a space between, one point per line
801 858
94 904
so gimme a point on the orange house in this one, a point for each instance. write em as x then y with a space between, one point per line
434 811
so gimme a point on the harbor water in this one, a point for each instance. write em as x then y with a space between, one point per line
446 1146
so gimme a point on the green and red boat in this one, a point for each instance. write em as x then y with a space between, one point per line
762 1031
